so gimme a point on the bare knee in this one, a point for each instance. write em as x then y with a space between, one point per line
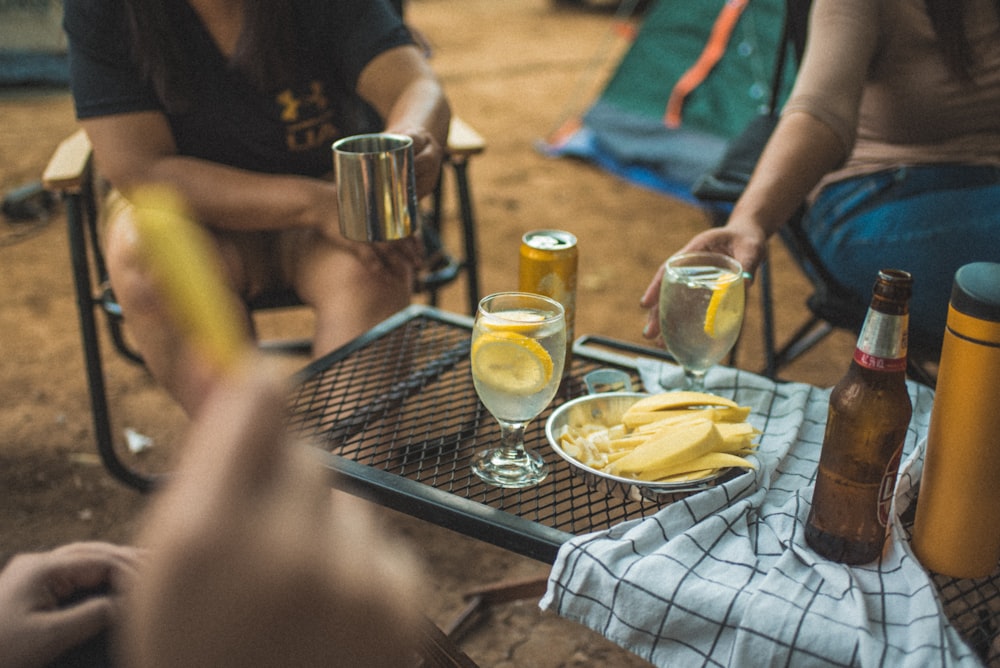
128 272
182 370
353 298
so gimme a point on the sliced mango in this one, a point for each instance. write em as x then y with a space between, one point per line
736 435
618 454
683 399
688 476
651 421
709 460
624 443
673 436
731 413
670 448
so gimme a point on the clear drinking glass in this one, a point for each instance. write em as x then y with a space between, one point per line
702 300
518 350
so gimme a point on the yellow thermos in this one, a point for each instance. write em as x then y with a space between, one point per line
956 531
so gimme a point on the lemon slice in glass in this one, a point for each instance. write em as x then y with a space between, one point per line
511 362
522 321
722 313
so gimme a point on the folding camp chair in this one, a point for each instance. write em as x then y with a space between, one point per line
70 176
722 186
831 306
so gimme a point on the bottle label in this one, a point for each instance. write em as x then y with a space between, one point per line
877 363
888 486
883 342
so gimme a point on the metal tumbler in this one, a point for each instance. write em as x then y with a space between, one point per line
956 530
376 185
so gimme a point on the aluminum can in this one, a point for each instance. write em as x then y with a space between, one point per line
548 266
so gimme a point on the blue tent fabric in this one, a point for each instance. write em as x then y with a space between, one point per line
623 131
619 157
19 68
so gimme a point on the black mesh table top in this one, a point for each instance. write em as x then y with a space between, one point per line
398 416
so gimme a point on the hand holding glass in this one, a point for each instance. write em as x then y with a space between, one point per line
518 349
702 301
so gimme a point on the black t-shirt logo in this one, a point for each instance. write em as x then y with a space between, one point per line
307 118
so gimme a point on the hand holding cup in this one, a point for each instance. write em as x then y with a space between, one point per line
376 185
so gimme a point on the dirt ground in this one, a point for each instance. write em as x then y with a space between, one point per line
514 70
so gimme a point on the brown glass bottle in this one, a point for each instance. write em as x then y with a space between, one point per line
866 424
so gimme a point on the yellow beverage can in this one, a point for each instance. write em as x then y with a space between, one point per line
548 266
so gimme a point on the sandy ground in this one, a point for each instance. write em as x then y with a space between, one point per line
513 69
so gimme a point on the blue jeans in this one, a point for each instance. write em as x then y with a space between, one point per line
928 220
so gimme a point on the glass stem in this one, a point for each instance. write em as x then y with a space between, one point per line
695 380
512 439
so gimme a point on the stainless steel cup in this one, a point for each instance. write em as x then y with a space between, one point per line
376 186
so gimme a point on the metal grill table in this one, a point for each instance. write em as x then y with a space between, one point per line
399 417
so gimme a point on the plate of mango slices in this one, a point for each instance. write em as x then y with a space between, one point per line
649 445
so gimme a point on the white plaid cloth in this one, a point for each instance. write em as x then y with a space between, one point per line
725 577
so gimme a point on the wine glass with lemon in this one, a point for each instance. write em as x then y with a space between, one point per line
518 350
702 299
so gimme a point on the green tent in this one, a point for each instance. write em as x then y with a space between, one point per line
670 63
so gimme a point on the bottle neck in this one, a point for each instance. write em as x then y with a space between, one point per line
882 343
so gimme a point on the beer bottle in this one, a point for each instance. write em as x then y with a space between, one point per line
866 424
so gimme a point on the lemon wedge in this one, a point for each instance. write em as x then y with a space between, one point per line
522 321
511 362
724 311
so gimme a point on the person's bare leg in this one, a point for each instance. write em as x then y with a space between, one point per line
185 375
349 296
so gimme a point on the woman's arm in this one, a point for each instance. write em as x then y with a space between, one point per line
814 136
818 126
801 151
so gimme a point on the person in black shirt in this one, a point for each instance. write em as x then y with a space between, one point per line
235 104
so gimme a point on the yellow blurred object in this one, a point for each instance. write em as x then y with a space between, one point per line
183 261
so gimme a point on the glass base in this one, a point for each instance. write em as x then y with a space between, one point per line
497 467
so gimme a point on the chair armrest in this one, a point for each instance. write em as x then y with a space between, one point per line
69 165
463 140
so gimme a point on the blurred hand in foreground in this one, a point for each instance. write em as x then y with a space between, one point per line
251 562
53 601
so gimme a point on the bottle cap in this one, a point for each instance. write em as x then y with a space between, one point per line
976 291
